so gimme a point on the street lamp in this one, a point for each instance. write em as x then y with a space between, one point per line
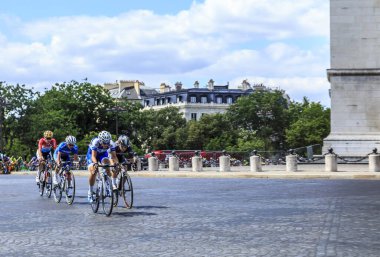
117 109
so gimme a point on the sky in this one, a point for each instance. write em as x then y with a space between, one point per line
280 43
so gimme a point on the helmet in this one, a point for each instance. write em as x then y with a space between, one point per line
104 137
48 133
71 140
123 140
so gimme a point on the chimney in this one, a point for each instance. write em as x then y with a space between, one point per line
210 84
178 86
245 85
162 88
196 84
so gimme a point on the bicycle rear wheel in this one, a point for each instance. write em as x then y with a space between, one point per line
107 195
127 191
70 189
97 195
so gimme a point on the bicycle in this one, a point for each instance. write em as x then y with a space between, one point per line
124 187
66 183
45 179
104 192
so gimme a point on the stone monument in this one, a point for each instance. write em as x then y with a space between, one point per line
355 77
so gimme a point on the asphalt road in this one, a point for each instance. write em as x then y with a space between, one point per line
197 217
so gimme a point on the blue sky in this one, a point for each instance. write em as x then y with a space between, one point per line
281 43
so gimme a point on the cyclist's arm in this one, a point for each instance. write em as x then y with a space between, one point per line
39 148
58 157
93 156
114 158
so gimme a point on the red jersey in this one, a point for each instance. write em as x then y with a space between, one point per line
47 145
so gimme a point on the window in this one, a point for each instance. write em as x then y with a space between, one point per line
193 99
147 103
193 116
162 101
219 100
169 100
204 99
158 102
229 100
179 99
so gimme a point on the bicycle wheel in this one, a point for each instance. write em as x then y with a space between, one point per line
97 195
117 192
107 195
41 185
127 191
70 189
57 190
48 184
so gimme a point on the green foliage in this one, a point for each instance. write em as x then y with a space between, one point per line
311 124
264 120
264 113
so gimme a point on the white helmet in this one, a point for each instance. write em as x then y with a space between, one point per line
123 140
71 140
104 137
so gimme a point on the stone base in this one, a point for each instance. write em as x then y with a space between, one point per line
351 145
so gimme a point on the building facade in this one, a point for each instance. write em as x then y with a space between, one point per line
193 103
196 102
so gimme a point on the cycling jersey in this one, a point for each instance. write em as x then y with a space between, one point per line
65 151
47 145
101 152
121 154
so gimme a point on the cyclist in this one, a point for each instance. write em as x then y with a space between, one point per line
45 145
123 149
4 162
62 153
100 150
123 153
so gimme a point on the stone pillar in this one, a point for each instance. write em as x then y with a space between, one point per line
331 163
153 164
224 163
374 162
354 77
138 164
196 163
291 163
173 164
255 163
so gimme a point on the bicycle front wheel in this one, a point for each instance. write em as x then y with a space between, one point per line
107 195
70 189
127 191
57 191
96 197
41 185
48 184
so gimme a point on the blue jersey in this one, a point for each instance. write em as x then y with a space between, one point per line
101 152
65 150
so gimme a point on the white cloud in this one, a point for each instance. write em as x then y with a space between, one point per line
220 39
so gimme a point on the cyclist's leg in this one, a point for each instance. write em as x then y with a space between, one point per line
91 178
39 168
56 170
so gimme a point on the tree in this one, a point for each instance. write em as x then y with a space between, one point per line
310 124
69 108
17 99
263 113
158 130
